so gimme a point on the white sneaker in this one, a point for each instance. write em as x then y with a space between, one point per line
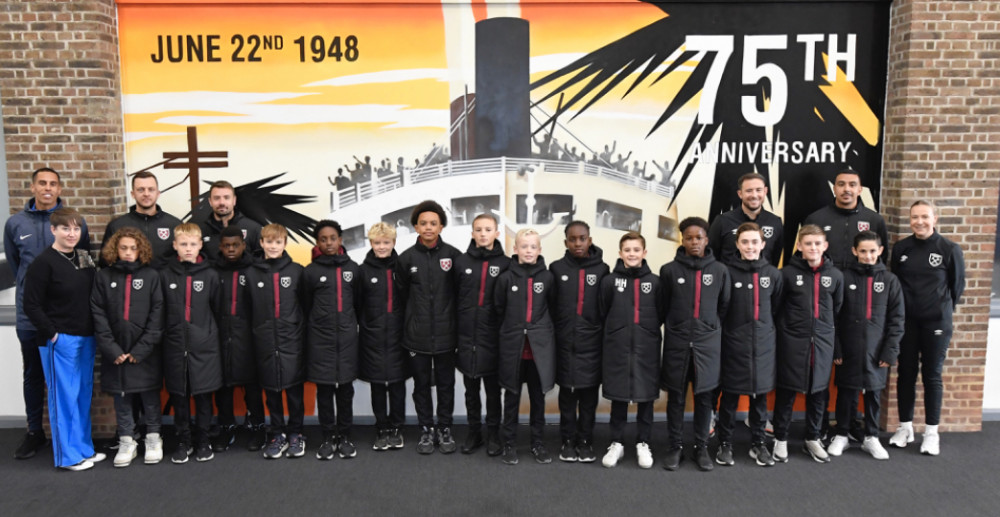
872 446
126 451
97 457
154 449
931 445
903 435
616 451
780 453
83 465
837 445
644 454
816 450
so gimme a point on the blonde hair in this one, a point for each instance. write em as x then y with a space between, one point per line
381 230
189 229
810 229
274 231
525 232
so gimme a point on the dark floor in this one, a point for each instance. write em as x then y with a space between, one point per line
962 481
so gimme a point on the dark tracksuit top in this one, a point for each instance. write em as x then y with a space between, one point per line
722 235
211 233
383 358
931 273
427 280
239 364
158 229
191 351
127 306
869 327
521 297
749 336
842 225
695 296
578 322
810 302
331 301
278 322
631 307
477 271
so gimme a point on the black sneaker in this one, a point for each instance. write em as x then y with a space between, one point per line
30 445
426 443
760 453
204 452
702 458
327 448
724 456
493 445
541 454
395 439
225 438
181 453
445 441
585 452
509 455
673 458
473 442
567 452
276 446
258 437
296 446
381 440
346 448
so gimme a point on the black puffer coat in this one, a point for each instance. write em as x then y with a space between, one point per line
522 302
191 352
331 294
278 322
749 337
427 279
127 306
695 296
810 303
576 314
383 358
478 326
239 363
869 327
630 305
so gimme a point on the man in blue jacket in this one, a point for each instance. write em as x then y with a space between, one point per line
26 234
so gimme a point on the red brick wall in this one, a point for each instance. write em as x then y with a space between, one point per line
942 142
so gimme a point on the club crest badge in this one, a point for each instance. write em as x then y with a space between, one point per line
348 276
768 231
935 260
198 285
765 282
878 287
646 287
445 264
539 287
494 271
286 281
163 233
136 283
826 281
706 279
591 279
864 226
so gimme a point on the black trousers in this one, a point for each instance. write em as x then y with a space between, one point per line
703 405
847 407
577 411
474 404
296 410
182 417
643 420
393 414
33 380
253 397
922 349
536 401
784 404
727 417
338 421
437 370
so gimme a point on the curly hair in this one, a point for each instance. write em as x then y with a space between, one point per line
110 251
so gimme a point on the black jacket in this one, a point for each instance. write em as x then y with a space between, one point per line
810 302
695 295
931 273
631 307
332 300
722 235
191 351
427 279
211 230
278 322
478 326
749 337
522 299
869 327
383 358
239 364
127 306
842 225
158 228
577 317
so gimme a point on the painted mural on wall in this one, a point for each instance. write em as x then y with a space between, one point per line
628 115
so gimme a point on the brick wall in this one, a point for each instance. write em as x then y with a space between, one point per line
59 80
942 142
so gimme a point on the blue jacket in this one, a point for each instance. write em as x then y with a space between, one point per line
26 234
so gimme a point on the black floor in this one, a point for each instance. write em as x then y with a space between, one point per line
963 481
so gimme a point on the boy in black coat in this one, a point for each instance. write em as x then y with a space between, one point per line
192 363
869 328
579 328
427 279
748 343
331 295
811 296
527 344
477 270
631 307
695 296
127 306
278 335
384 361
239 365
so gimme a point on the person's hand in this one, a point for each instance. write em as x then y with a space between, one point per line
54 338
883 364
131 359
121 359
838 362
